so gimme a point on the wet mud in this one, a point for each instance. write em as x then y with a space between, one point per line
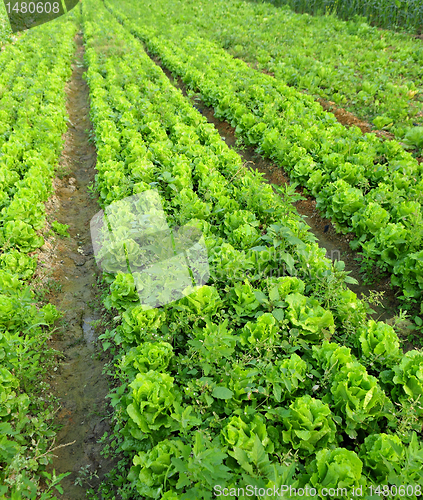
69 272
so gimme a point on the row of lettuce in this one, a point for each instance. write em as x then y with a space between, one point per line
245 381
375 74
5 32
32 123
365 185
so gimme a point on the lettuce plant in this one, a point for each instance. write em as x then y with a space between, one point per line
262 332
18 263
349 308
358 398
145 357
314 322
409 375
21 235
388 460
248 444
380 453
339 469
241 431
122 292
380 343
286 377
152 399
410 269
341 201
308 425
139 323
244 237
369 220
214 344
185 470
243 300
205 300
414 138
153 468
331 357
236 219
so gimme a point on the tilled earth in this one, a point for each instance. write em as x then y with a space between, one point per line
68 267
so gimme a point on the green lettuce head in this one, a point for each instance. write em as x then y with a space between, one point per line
286 377
205 300
151 469
153 396
139 324
287 285
358 397
330 357
123 292
339 469
314 322
146 357
409 374
380 452
309 425
380 343
263 331
241 432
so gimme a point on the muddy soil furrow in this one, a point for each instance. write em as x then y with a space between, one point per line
69 264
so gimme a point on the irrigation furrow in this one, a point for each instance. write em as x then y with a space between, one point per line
79 382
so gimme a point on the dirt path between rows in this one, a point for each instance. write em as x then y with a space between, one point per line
68 265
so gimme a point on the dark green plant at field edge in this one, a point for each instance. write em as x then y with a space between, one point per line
392 14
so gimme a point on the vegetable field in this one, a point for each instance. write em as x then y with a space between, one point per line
32 121
274 379
4 26
377 75
353 176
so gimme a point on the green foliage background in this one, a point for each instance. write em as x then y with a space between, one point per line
404 14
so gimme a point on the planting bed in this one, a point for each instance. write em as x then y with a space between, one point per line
364 184
272 374
377 74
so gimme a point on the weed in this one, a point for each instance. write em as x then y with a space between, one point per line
85 475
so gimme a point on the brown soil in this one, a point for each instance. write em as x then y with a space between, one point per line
69 264
348 119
